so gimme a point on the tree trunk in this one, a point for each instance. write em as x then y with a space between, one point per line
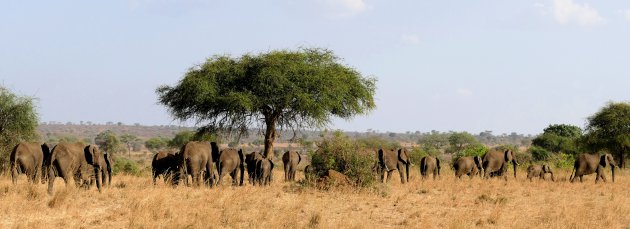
270 136
622 164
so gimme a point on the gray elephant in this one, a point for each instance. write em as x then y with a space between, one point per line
470 166
78 161
586 164
495 163
290 159
231 162
165 164
251 160
30 159
264 171
196 158
429 164
390 160
539 171
106 172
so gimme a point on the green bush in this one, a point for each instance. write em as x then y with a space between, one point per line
477 149
350 157
126 166
562 160
539 153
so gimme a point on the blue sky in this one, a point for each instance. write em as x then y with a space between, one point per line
505 66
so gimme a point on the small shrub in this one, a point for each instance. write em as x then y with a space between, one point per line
126 166
539 153
562 160
342 154
477 149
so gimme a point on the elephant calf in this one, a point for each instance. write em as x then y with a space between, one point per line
251 161
231 162
470 166
165 164
290 159
264 172
539 171
429 164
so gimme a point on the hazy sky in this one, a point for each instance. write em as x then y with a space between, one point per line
441 65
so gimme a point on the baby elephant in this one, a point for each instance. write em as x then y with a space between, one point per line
264 172
430 165
539 171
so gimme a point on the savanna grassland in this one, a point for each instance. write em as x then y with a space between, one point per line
133 202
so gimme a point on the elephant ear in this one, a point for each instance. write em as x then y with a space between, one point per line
546 168
508 155
214 151
603 160
299 157
403 156
438 162
380 156
88 151
477 160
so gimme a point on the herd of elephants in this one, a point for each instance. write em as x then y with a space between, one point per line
86 165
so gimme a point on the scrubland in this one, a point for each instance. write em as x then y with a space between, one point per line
134 202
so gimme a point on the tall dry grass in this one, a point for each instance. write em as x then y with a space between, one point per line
445 203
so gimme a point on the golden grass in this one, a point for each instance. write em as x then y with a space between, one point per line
446 203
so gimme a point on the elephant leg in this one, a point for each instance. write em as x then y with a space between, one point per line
581 176
389 175
382 175
155 175
14 173
402 175
286 172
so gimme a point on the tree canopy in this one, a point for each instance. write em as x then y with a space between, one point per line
458 141
558 138
18 122
285 89
108 141
609 129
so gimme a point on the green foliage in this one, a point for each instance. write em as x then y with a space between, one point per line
129 140
417 153
279 89
156 143
539 153
185 136
562 160
559 138
375 142
126 166
458 141
476 149
340 153
18 122
609 129
108 141
434 140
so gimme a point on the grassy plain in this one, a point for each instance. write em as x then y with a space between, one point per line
133 202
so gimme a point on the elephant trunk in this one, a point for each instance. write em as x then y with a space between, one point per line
97 177
552 177
514 164
407 172
612 168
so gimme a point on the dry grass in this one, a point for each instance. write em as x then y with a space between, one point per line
446 203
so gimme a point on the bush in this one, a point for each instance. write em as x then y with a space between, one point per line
539 153
477 149
126 166
350 157
562 160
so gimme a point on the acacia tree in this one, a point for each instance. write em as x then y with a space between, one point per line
129 140
279 90
18 122
609 129
559 138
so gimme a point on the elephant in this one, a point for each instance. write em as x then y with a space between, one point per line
165 163
264 171
196 158
250 160
390 160
231 162
586 164
31 159
290 159
496 161
470 166
106 173
78 161
429 164
539 171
